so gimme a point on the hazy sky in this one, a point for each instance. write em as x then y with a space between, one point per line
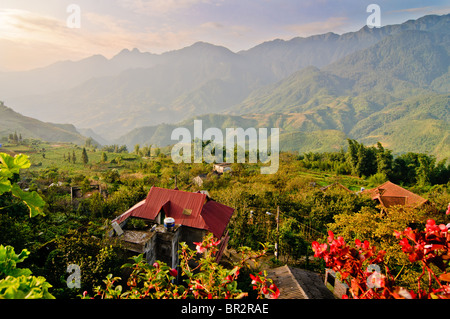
35 33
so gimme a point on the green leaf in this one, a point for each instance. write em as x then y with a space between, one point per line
14 164
32 199
9 260
22 161
5 185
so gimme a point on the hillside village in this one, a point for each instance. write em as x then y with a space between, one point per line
149 206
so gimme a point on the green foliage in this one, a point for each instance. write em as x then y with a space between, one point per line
378 228
84 156
306 211
94 256
18 283
203 277
9 170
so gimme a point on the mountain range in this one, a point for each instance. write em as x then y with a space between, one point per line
388 84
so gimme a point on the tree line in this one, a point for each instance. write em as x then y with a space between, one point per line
378 164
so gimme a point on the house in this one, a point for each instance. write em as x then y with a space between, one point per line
295 283
222 167
77 192
390 194
198 180
193 216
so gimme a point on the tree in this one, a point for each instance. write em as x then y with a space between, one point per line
89 142
84 156
291 241
146 151
74 157
136 149
362 159
425 169
104 157
384 160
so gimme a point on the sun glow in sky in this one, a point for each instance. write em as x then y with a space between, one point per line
35 33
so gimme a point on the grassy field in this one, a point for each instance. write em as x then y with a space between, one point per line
45 155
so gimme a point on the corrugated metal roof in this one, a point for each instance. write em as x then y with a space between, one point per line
390 194
216 216
188 209
295 283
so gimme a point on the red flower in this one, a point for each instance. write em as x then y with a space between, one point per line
406 247
276 292
215 243
431 226
448 209
255 279
330 236
366 245
173 272
319 249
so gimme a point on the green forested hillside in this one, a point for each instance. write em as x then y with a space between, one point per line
391 92
12 122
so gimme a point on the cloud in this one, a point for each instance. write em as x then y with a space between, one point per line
424 10
334 24
156 7
211 25
30 40
21 24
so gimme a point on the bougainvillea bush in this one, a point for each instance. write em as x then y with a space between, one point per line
363 268
202 277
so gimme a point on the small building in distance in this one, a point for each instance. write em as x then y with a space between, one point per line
77 192
390 194
222 167
198 180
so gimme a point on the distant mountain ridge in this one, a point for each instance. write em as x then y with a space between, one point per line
353 85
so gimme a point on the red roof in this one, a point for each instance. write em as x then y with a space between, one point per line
189 209
390 194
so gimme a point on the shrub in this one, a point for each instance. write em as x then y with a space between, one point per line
363 267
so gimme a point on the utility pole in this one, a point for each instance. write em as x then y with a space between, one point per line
278 233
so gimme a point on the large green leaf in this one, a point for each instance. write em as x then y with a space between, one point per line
9 260
12 165
32 199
